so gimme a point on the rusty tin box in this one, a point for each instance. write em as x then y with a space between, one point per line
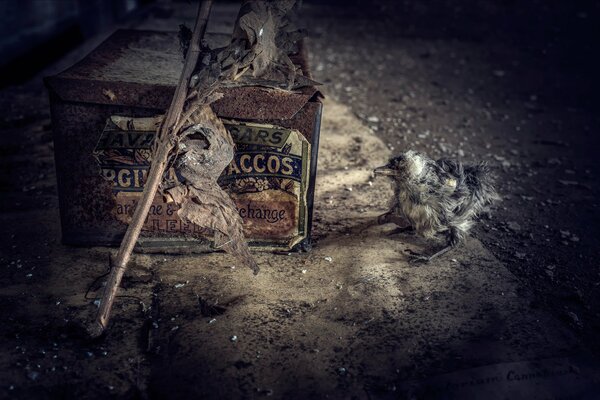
101 164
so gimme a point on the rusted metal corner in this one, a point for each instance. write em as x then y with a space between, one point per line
140 69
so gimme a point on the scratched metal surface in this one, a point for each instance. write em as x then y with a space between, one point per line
141 69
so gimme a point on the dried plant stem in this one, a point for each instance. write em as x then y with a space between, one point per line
165 139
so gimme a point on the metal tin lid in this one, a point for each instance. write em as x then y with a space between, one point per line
141 69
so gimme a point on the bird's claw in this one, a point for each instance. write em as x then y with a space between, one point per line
417 259
414 258
403 229
384 218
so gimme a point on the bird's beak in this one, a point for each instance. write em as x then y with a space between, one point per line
384 171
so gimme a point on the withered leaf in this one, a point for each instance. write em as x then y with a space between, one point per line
259 51
204 152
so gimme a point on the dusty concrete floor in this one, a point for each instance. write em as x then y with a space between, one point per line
525 287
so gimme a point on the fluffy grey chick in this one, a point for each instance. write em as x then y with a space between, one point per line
442 196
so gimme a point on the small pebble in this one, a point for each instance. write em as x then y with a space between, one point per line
513 226
574 318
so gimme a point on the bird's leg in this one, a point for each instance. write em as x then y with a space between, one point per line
385 217
421 258
454 236
393 217
402 229
453 239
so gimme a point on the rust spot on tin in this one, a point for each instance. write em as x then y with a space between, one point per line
257 103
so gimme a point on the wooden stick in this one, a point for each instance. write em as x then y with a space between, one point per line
164 142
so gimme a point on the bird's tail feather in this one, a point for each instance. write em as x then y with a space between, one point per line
481 181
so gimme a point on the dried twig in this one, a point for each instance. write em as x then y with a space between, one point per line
164 144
